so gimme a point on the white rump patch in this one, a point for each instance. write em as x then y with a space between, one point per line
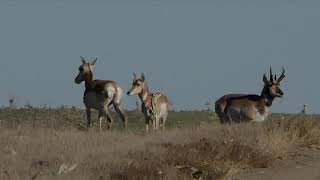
111 91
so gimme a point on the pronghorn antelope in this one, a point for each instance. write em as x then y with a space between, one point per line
248 107
154 105
100 94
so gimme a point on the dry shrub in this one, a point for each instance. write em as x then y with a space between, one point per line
304 130
217 151
207 152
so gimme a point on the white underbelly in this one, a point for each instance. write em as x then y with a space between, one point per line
237 114
260 117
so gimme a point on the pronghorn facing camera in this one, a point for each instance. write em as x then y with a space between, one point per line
154 105
248 107
100 94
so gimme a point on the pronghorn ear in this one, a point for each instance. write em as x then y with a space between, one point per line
134 76
265 79
83 60
94 61
142 77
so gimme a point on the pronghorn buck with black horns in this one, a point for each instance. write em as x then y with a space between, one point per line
250 107
154 105
100 94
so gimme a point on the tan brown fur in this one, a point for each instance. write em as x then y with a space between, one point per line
100 94
140 87
244 108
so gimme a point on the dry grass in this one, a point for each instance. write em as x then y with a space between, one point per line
210 152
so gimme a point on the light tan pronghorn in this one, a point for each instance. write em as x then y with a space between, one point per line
249 107
154 105
100 94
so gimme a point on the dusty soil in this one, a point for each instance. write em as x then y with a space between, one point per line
304 164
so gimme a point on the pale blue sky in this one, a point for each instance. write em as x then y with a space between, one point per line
192 50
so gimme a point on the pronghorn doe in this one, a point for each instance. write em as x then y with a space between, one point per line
249 107
100 94
154 105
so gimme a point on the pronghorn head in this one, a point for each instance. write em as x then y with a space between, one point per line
138 85
85 69
272 86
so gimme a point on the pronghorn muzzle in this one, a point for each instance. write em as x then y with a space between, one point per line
130 92
134 90
79 78
279 93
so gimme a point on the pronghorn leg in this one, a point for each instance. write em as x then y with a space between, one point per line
229 117
88 112
153 121
156 123
101 114
164 119
120 111
107 114
147 124
110 121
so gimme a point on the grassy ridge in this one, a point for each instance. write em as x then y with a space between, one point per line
195 146
62 118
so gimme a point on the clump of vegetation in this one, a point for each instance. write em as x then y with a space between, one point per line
217 152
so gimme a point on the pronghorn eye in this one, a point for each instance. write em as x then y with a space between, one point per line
138 84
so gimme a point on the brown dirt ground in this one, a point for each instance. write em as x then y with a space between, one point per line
301 165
